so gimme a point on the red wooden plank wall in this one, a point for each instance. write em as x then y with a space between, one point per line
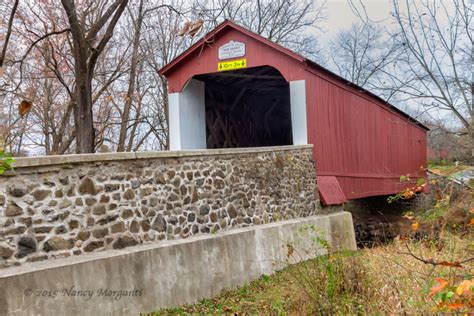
330 190
364 144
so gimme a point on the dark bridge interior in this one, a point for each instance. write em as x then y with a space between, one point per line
247 108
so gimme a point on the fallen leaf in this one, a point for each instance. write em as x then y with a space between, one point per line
195 27
472 221
185 29
440 285
456 305
464 287
454 264
190 28
25 107
290 250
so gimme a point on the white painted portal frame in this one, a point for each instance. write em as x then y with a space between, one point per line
187 111
187 117
298 112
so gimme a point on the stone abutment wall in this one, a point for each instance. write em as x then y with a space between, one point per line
61 206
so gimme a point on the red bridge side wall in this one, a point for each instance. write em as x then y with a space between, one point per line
366 145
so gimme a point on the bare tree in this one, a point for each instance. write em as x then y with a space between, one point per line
88 43
285 22
136 64
437 42
162 46
361 54
433 65
2 59
447 143
46 76
8 32
90 68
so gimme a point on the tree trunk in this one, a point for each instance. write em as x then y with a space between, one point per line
164 84
85 59
131 81
85 133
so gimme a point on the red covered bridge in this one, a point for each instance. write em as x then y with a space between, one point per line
234 88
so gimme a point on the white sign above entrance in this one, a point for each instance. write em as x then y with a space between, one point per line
232 50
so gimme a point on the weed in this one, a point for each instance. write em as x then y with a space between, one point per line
335 282
6 161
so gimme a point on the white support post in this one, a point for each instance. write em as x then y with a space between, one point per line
298 112
187 121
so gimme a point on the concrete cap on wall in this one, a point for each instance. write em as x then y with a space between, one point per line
38 161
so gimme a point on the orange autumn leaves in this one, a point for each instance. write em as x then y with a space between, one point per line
440 284
415 225
408 193
465 288
453 297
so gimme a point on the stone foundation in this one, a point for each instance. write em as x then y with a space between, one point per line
148 277
60 206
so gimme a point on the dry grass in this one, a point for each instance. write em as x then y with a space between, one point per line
278 294
377 280
388 279
447 170
402 282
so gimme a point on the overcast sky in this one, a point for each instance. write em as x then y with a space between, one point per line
340 16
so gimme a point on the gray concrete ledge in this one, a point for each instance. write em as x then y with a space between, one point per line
27 162
165 274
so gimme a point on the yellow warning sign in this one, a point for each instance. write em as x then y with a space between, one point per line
231 65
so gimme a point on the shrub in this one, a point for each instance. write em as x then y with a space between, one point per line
336 282
6 161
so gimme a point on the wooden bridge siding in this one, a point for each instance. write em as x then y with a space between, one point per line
366 145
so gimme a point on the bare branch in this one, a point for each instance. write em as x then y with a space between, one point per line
9 32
